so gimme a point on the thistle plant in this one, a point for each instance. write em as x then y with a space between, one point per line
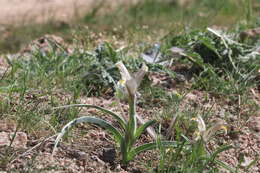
128 133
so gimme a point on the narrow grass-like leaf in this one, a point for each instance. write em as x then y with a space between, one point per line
149 146
121 121
220 150
102 123
224 165
142 128
212 157
251 164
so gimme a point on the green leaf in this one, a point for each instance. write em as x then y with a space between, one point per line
195 58
102 123
142 128
121 121
220 150
224 165
252 163
149 146
124 151
207 42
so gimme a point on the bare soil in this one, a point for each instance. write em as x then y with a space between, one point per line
23 11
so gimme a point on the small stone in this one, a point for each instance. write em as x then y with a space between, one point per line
254 123
191 97
246 162
79 155
108 155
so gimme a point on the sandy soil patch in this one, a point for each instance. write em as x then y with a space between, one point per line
22 11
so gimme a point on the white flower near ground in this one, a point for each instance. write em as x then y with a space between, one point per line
204 133
129 83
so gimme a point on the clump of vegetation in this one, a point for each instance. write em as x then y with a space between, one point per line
222 62
192 154
102 75
128 134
